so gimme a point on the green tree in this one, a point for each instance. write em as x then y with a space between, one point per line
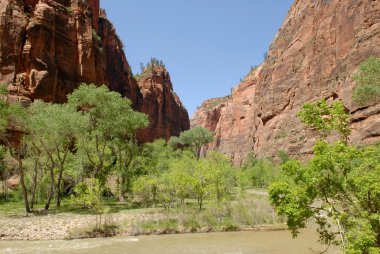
34 162
152 161
4 171
124 144
155 158
112 125
53 129
326 118
261 174
250 161
181 175
90 193
195 138
145 189
201 182
367 78
221 174
12 124
339 187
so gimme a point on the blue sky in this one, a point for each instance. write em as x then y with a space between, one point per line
207 45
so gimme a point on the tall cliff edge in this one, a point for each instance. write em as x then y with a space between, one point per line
313 56
49 47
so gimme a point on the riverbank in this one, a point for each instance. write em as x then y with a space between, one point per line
131 223
58 226
250 212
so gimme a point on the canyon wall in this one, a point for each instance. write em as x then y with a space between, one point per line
49 47
314 55
162 105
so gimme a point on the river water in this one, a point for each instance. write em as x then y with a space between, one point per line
273 242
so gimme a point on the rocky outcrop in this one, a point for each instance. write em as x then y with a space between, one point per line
49 47
167 116
313 56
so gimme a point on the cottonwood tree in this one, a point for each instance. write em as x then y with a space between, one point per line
12 127
194 138
339 188
110 132
325 118
222 177
183 176
4 171
34 161
53 129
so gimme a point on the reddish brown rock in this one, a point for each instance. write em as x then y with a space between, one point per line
313 56
49 47
167 116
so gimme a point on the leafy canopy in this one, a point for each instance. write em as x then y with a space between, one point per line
194 138
339 187
326 118
112 123
110 114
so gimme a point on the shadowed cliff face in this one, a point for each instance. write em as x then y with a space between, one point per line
313 56
49 47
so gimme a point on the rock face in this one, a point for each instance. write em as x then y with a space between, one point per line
49 47
313 56
166 114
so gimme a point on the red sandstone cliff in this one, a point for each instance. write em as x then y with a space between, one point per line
313 56
162 105
49 47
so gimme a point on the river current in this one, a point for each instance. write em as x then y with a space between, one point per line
272 242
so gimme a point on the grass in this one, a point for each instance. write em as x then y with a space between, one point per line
106 230
16 208
248 210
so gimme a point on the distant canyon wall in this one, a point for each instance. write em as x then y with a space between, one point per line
49 47
313 56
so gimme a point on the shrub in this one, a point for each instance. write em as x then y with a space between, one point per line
367 78
96 37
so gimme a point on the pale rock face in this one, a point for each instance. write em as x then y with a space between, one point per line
313 56
49 47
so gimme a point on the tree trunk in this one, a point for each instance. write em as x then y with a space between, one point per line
34 186
122 189
51 190
22 182
200 203
59 187
198 152
6 188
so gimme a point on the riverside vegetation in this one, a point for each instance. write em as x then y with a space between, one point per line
84 155
340 186
82 158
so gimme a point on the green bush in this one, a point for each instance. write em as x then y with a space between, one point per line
96 37
367 78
